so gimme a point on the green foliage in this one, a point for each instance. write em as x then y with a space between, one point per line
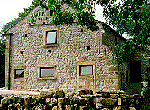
125 51
130 17
89 20
31 21
67 1
59 94
62 18
10 24
84 18
85 92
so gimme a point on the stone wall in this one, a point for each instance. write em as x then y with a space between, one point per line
31 53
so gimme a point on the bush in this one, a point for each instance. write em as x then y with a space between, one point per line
59 94
85 92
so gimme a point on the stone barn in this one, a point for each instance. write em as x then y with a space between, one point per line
62 57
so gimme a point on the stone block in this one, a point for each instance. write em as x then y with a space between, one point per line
113 68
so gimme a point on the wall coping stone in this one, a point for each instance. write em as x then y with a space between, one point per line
9 92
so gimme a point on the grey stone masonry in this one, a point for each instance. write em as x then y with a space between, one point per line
29 52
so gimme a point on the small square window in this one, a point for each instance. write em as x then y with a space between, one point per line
46 71
21 52
88 48
25 35
49 51
85 70
19 73
51 37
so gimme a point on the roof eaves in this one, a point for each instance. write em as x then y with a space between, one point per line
105 26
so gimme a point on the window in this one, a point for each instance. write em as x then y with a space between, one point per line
85 70
51 37
19 73
46 71
21 52
25 35
88 48
86 75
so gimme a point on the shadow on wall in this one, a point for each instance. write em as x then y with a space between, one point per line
2 71
130 77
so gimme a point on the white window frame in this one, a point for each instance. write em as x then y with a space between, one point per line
45 37
46 68
54 39
46 77
80 70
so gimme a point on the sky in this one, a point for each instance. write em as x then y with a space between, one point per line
9 9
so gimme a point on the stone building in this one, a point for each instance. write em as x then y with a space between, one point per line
64 57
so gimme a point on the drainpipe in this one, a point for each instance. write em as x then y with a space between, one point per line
9 65
9 71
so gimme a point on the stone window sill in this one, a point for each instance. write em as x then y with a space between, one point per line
47 78
51 45
19 79
86 76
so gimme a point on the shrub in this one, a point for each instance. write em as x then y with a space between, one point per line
59 94
85 92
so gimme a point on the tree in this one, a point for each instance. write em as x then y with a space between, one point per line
130 17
